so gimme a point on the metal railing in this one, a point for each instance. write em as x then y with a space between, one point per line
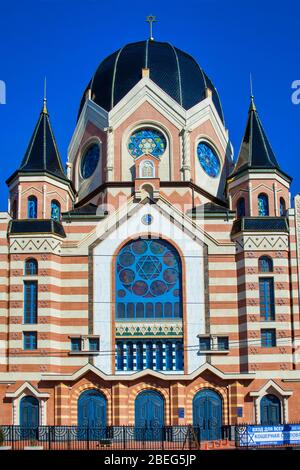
105 438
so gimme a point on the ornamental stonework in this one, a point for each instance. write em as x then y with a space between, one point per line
149 330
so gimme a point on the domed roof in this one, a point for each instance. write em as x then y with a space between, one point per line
173 70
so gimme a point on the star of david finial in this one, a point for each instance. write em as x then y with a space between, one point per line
151 19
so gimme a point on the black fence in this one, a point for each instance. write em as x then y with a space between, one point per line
106 438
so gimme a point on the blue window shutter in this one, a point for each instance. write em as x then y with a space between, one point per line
30 340
75 344
267 300
120 356
30 302
169 355
149 355
268 338
129 355
179 355
94 344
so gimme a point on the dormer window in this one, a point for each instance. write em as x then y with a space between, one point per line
55 210
32 207
147 169
263 205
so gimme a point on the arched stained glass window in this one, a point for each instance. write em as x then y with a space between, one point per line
265 264
240 207
32 207
90 161
282 207
31 266
55 210
148 280
147 141
263 205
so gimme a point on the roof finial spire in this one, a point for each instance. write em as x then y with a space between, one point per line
45 97
151 19
252 104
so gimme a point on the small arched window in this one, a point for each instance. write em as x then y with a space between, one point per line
32 207
265 264
31 267
55 210
263 205
240 207
147 169
282 207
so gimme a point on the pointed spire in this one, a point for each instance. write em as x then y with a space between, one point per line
252 104
256 151
45 97
42 154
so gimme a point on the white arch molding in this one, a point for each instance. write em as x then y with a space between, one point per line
271 388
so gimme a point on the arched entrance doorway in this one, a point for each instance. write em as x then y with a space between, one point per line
92 410
207 414
270 410
29 417
29 412
149 415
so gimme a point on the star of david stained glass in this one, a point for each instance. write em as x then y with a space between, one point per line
208 160
89 161
147 142
148 280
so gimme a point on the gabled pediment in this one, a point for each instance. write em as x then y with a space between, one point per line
272 388
27 389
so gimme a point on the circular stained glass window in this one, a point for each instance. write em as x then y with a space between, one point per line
139 247
127 276
140 288
208 159
158 288
126 259
148 267
90 160
170 275
148 280
147 142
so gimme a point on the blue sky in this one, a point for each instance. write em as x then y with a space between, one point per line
66 39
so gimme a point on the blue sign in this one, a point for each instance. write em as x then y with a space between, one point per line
180 412
239 411
285 434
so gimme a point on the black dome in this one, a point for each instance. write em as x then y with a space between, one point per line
176 72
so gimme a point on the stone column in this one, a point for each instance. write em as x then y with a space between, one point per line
250 199
186 158
19 201
110 154
120 409
285 410
62 405
256 408
177 400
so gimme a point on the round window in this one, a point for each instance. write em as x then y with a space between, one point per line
208 159
147 142
90 160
